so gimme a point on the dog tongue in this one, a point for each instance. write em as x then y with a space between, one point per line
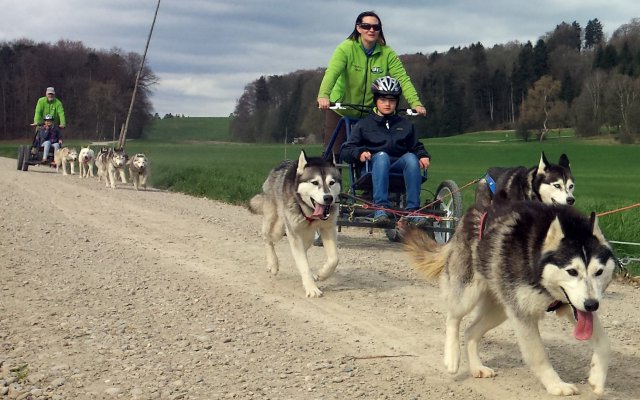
584 327
318 212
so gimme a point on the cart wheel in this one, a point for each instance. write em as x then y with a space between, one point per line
449 200
20 156
393 235
25 158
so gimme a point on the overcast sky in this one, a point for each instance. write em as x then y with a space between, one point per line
206 51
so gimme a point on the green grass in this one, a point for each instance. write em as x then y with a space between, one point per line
605 173
175 130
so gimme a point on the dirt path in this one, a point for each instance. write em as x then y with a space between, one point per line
154 295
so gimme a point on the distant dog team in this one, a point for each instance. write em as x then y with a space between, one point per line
111 165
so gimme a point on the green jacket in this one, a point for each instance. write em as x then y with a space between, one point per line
55 109
350 73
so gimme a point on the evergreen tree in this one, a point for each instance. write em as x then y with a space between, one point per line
593 35
540 60
625 60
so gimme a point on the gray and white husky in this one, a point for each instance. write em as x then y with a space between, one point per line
547 182
517 261
116 162
139 170
299 198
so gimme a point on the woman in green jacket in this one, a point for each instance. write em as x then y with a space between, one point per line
356 63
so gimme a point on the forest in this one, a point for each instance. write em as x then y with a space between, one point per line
570 77
95 86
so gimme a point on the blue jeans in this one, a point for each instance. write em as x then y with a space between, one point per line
47 145
382 164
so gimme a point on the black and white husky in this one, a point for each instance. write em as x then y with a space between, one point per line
518 260
299 198
546 182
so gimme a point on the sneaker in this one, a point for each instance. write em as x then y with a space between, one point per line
416 220
318 241
381 218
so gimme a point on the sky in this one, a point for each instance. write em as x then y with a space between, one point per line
206 51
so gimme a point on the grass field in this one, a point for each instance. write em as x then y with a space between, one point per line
173 130
605 173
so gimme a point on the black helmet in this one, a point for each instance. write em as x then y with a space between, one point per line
386 86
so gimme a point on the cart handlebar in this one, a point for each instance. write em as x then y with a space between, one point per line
362 108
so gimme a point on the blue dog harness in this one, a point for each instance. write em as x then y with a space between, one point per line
491 183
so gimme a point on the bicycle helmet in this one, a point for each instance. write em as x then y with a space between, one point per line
48 117
386 86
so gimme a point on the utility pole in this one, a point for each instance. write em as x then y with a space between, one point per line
123 133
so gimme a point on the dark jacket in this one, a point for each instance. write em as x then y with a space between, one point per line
371 134
52 134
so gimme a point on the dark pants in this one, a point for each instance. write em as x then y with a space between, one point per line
331 119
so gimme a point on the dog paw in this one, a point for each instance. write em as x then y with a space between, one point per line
452 362
313 291
562 389
597 384
273 269
483 372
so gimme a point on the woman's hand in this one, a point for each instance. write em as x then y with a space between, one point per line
323 103
421 110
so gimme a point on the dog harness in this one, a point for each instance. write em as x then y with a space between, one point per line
491 182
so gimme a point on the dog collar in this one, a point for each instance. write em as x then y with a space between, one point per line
482 226
300 203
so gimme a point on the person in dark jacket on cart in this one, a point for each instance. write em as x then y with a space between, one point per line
48 136
390 144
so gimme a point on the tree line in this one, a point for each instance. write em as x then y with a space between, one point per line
570 77
95 87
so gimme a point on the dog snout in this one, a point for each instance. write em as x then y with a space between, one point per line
328 199
570 200
591 305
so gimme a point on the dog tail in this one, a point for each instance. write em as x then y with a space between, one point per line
255 204
425 255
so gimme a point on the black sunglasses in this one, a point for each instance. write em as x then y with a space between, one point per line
366 27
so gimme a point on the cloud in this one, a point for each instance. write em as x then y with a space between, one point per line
206 51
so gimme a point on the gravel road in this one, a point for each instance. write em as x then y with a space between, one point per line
119 294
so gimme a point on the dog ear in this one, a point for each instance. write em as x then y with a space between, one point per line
544 163
554 236
595 229
302 162
564 161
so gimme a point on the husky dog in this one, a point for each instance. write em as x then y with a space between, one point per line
518 260
299 198
139 170
548 183
86 160
101 163
63 156
116 161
